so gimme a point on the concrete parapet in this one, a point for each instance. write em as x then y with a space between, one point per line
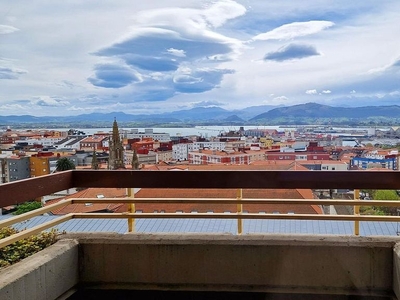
396 270
44 275
270 263
300 264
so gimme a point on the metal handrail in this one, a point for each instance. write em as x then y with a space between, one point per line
239 215
236 201
24 190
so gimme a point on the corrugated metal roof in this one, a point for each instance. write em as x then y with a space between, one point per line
218 226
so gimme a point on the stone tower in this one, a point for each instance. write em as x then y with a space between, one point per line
116 159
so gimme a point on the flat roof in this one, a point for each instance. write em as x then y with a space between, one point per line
221 226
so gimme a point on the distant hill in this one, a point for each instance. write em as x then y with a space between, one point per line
234 118
308 113
200 113
197 114
252 111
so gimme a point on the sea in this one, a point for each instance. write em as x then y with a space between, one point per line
209 131
206 131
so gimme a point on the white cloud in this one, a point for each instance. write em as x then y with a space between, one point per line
176 52
280 98
293 30
220 12
12 107
49 101
386 67
326 91
189 22
4 29
353 92
10 73
206 103
358 42
311 92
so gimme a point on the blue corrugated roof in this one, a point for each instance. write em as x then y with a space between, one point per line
217 226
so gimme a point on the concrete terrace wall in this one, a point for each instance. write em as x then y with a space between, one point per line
270 263
44 275
263 263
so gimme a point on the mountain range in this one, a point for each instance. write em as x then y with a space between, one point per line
308 113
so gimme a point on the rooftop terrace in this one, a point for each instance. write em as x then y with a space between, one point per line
268 252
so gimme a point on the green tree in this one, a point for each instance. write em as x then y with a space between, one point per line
385 195
27 206
64 164
390 195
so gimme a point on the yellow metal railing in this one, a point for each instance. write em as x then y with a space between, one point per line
131 215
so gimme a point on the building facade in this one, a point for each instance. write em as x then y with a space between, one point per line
367 163
148 133
14 168
181 151
205 157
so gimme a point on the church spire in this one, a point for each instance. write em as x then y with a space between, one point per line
116 159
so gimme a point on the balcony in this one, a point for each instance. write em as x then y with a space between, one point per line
272 263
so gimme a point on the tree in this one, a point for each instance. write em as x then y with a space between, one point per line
64 164
27 206
386 195
135 161
390 195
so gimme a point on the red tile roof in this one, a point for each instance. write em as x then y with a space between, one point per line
227 193
199 193
92 206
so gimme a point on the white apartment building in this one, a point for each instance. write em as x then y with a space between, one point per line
380 154
70 143
334 166
181 151
45 142
148 133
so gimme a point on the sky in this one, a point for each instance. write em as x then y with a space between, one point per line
61 58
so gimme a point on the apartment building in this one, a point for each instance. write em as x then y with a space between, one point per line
44 163
148 133
96 142
14 168
386 159
181 151
205 157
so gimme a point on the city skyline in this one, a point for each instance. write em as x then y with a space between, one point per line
78 57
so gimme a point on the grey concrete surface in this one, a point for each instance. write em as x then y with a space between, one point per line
44 275
270 263
345 265
396 270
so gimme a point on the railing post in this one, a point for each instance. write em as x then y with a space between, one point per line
239 196
357 212
131 209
